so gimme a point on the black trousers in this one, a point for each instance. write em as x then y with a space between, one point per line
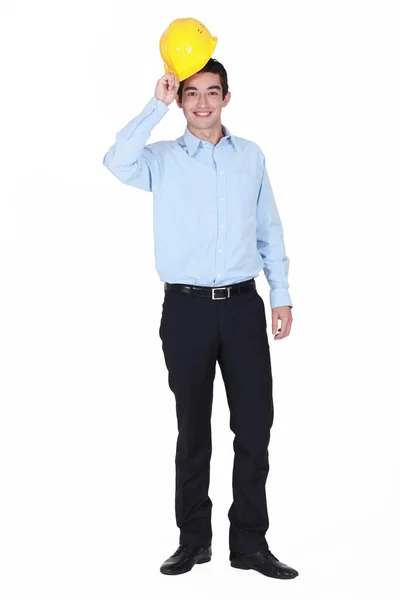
197 332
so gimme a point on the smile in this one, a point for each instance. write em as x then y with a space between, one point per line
202 114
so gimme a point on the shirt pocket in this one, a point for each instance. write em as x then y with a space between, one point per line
243 189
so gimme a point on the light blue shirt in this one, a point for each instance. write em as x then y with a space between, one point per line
215 219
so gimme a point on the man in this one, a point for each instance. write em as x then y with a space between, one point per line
216 226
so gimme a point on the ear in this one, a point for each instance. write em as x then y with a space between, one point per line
226 100
178 102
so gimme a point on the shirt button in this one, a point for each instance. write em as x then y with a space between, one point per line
222 225
219 250
218 274
221 172
222 198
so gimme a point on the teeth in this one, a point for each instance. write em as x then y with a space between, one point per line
202 114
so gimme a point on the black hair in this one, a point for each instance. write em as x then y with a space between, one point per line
212 66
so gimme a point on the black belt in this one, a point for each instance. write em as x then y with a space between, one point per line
217 293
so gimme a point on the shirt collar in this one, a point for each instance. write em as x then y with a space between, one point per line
192 142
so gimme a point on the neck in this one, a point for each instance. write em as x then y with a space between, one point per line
208 135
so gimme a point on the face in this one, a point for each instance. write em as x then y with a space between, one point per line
202 93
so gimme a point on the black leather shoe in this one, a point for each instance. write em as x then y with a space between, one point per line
264 562
184 559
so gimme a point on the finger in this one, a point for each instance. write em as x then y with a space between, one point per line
283 332
274 323
279 333
285 326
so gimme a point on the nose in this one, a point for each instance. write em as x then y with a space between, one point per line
202 101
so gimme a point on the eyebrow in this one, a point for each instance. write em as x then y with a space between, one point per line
212 87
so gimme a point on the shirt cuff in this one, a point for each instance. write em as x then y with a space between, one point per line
280 297
151 114
161 107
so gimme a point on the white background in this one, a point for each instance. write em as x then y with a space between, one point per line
88 424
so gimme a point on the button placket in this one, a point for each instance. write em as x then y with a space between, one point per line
221 234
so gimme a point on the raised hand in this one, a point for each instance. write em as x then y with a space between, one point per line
167 88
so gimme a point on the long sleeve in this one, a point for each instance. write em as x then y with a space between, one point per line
129 159
270 243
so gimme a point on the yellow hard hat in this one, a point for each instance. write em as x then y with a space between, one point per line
186 46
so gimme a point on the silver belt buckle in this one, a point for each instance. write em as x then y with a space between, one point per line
221 288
